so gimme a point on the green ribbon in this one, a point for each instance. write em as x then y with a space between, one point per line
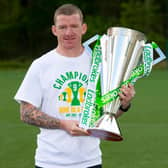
112 95
90 112
154 45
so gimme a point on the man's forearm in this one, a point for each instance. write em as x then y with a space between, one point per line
32 115
122 110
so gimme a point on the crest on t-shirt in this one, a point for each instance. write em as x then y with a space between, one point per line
72 95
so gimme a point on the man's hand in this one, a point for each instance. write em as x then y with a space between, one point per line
31 115
126 95
72 127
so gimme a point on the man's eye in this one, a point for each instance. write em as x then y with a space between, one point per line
74 26
61 27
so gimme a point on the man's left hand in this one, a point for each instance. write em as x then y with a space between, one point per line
126 95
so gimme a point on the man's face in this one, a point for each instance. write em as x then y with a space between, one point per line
69 30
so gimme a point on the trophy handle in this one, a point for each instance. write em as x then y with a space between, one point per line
89 41
159 52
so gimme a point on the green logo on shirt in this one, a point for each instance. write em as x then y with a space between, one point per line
73 93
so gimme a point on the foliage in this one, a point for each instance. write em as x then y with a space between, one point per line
25 24
144 16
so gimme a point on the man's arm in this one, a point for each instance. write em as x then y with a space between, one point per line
32 115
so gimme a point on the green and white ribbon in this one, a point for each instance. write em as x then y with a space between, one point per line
89 105
93 100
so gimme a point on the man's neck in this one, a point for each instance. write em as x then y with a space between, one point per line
72 52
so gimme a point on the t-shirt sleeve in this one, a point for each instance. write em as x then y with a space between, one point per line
30 89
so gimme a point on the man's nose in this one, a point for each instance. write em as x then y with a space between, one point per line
69 31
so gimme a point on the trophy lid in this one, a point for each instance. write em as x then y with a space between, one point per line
113 31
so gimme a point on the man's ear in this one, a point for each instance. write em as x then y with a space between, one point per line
54 30
84 28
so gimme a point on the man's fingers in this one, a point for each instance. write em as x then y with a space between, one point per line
127 90
121 95
77 131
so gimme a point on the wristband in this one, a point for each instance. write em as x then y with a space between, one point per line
125 109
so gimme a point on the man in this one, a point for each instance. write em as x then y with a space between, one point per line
52 96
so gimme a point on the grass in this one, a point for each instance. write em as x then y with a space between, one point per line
17 140
144 127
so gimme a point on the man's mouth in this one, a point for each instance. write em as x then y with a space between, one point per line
69 39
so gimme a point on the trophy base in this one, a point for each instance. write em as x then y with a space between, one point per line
104 134
106 128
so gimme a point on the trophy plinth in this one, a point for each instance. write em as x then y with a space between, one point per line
104 134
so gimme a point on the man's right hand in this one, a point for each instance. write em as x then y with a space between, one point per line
72 127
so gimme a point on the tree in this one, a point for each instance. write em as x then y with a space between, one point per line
25 24
144 16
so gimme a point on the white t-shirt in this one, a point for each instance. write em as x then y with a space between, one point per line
57 85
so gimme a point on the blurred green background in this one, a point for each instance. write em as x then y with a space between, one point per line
25 26
25 34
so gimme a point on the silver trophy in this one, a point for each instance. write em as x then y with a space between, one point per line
121 53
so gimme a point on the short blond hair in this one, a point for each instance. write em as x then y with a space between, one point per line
68 9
